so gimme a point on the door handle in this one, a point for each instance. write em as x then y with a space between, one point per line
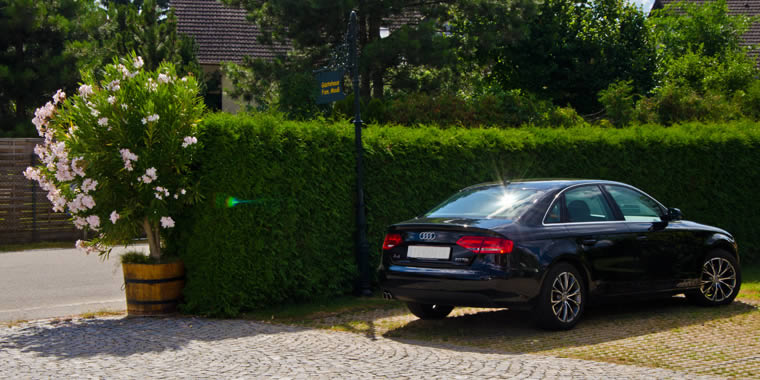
588 241
641 237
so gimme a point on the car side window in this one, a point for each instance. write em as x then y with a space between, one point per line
587 204
635 206
553 216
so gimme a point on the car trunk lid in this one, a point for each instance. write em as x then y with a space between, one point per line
426 242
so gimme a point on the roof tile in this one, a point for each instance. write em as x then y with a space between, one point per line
222 33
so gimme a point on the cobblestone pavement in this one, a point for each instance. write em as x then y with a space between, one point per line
118 347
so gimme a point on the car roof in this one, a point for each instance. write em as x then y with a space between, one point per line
545 183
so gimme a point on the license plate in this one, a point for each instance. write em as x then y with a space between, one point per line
427 252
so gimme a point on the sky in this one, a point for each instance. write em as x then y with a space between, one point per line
644 4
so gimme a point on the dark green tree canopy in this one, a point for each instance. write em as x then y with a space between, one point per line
164 4
45 44
149 30
314 28
566 51
34 61
684 27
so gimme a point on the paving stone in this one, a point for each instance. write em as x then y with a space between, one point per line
117 347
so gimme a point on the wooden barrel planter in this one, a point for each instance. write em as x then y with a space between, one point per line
153 289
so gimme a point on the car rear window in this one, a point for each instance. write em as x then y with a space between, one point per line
493 202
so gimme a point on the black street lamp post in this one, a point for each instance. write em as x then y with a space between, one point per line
346 57
362 245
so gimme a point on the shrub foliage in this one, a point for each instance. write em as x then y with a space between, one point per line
293 240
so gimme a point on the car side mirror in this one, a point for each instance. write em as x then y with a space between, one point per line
673 214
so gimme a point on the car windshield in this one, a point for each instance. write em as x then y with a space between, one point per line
498 202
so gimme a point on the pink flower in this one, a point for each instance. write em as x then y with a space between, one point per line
59 150
63 171
85 90
115 85
41 116
89 185
83 246
149 176
128 157
189 140
125 72
79 223
139 62
80 245
152 86
55 197
88 201
59 96
150 118
81 202
103 121
161 192
163 78
167 222
76 167
114 217
93 221
32 174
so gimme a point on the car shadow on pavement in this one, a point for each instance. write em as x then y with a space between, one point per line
122 336
359 322
516 331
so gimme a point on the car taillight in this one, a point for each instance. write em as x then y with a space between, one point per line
391 240
486 245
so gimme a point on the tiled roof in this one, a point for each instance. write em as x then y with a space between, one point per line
745 7
222 33
408 16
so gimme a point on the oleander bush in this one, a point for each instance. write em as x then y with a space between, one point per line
289 234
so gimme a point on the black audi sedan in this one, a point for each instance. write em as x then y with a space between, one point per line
550 246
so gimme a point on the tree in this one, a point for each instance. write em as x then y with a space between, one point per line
684 27
703 71
700 46
163 4
34 61
144 27
317 27
117 155
566 50
45 44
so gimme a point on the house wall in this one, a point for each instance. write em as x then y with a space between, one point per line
229 104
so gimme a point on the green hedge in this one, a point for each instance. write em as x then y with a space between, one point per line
294 242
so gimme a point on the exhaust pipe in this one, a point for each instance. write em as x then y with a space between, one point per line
387 295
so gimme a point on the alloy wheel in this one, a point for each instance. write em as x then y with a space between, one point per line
566 297
718 279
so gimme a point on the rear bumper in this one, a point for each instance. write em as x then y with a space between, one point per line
460 287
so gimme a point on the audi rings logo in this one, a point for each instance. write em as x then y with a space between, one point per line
427 235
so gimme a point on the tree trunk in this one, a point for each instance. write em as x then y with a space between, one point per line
154 238
377 82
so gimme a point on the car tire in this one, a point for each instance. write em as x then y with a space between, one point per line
720 280
428 311
562 299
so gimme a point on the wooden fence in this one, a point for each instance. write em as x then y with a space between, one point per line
26 215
